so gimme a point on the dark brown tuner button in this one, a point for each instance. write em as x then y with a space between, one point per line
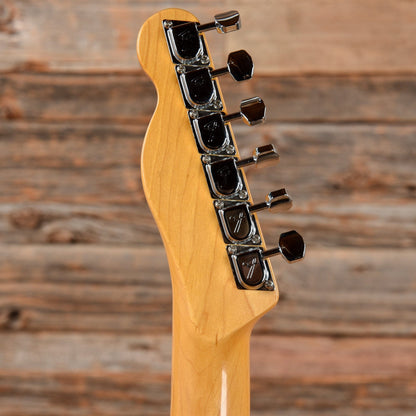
292 246
238 222
250 267
240 65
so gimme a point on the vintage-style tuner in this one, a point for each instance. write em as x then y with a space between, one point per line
195 184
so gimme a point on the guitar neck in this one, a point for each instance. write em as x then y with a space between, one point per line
209 378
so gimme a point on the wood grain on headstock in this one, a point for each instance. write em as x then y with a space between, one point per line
212 319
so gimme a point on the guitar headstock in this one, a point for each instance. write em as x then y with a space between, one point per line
194 180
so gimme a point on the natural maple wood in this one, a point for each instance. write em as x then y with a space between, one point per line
212 318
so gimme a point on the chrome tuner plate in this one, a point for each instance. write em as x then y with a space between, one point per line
224 178
238 225
186 46
250 270
212 135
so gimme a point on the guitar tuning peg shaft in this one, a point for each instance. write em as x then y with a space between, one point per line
276 201
266 154
239 66
291 246
223 22
252 111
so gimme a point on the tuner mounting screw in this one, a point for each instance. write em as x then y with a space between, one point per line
181 69
217 104
193 114
206 159
204 59
167 24
230 149
232 249
256 239
268 285
219 204
243 194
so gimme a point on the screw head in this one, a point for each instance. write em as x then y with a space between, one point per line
181 69
232 249
230 149
217 104
243 194
206 159
268 285
167 24
219 204
256 239
204 59
193 114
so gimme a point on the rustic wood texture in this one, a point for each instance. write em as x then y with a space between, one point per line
89 288
85 296
306 36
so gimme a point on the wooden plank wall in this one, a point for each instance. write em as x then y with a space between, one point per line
84 286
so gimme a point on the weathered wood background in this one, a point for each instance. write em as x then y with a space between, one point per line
84 286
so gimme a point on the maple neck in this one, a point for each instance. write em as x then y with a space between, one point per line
209 378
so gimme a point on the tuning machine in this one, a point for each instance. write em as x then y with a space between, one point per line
211 128
237 221
198 82
250 268
224 176
186 44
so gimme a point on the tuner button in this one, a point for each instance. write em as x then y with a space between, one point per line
266 155
253 111
240 65
250 268
238 222
227 21
278 201
291 247
223 22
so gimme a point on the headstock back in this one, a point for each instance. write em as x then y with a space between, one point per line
175 183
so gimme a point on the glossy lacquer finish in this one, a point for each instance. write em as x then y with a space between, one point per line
212 318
